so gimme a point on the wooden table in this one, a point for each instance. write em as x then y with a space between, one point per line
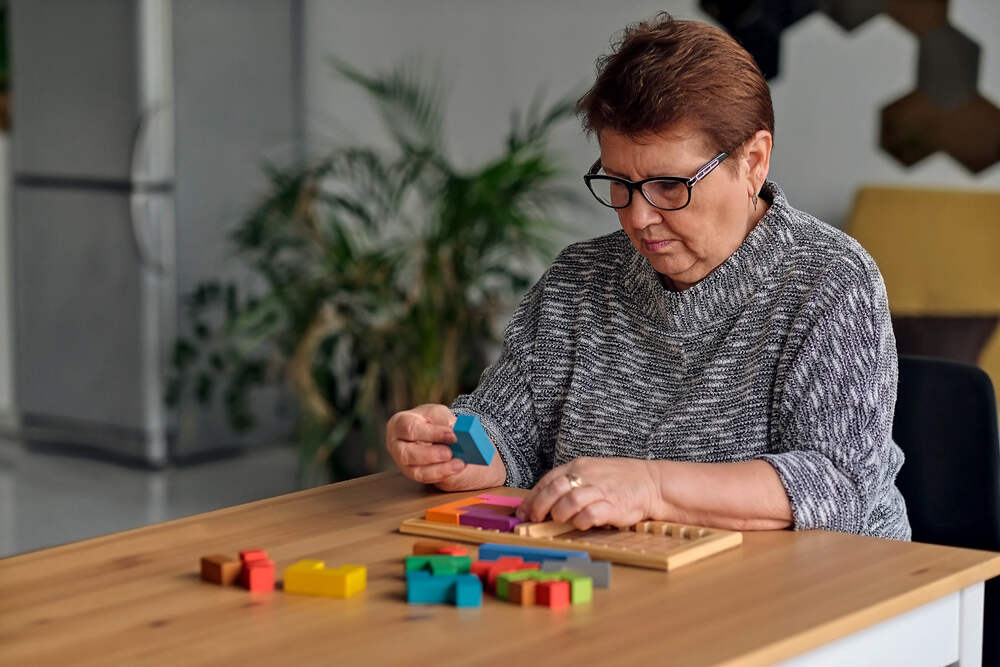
136 598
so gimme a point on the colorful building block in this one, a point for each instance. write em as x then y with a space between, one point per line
473 445
506 501
252 554
221 570
257 575
462 590
493 551
424 548
312 577
581 587
505 565
522 592
468 591
553 594
450 512
488 520
443 564
598 570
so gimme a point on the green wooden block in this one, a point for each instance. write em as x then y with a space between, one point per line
581 587
439 564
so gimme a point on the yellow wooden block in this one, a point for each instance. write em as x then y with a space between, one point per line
312 577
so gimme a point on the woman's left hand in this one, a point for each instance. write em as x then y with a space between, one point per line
590 492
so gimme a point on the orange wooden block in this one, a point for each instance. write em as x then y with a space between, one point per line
449 512
522 592
453 550
219 569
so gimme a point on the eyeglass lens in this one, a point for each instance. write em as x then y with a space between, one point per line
663 194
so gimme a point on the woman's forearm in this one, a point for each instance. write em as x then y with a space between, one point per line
737 496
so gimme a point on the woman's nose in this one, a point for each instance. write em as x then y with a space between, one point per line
640 214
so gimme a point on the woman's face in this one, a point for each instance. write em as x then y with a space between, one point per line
686 245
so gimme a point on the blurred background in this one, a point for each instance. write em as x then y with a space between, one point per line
236 235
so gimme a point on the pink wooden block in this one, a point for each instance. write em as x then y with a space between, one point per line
506 501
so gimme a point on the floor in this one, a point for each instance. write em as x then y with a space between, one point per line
48 499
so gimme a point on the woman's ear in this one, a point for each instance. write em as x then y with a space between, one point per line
757 156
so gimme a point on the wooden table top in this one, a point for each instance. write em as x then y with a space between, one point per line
136 597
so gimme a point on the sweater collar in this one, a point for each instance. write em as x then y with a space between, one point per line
724 290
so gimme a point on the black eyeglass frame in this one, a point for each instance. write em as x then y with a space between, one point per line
700 174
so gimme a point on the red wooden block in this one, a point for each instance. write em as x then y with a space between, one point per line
453 550
248 555
552 594
258 576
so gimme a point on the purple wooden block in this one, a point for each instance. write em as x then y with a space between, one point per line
488 520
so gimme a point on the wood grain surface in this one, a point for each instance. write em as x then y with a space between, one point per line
136 598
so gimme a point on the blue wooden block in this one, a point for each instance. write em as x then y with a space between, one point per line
493 551
468 591
424 588
473 444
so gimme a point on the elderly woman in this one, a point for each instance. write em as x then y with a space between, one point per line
723 360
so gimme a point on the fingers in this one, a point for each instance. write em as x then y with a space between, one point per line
418 453
434 473
437 413
543 497
599 513
574 502
414 427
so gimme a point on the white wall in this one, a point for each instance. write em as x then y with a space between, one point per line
6 269
495 55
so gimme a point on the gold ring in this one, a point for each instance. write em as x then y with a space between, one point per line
574 481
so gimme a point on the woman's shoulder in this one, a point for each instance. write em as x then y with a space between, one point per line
591 259
820 253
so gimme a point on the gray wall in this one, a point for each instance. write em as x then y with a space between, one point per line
496 54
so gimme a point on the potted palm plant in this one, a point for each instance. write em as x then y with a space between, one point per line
382 275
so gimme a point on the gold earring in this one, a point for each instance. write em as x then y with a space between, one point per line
755 201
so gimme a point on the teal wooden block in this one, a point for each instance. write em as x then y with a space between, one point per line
468 591
473 444
462 590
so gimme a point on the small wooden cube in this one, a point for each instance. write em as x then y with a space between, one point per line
219 569
552 594
258 576
522 592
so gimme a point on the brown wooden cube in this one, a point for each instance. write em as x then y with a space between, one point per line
522 592
221 570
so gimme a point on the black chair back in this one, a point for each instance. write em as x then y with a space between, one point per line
946 425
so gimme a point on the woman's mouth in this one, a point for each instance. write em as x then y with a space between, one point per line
656 246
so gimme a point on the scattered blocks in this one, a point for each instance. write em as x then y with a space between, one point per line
598 570
581 587
504 581
506 566
553 594
221 570
312 577
493 551
462 590
473 444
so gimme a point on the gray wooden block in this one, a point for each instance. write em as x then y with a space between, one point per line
598 570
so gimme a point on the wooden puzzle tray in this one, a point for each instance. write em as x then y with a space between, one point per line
653 544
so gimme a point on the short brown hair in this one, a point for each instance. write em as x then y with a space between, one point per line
665 70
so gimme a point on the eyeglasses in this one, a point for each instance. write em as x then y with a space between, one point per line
669 193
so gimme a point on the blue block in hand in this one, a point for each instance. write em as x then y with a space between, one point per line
473 444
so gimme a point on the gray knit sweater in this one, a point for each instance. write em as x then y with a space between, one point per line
783 353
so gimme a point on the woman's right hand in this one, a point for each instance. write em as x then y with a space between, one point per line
418 440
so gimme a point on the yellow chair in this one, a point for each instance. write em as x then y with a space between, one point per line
939 253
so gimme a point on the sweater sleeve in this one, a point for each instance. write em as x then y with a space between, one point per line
835 454
503 401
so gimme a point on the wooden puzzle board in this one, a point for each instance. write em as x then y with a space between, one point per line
653 544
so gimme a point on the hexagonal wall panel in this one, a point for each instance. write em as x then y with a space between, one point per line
945 112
